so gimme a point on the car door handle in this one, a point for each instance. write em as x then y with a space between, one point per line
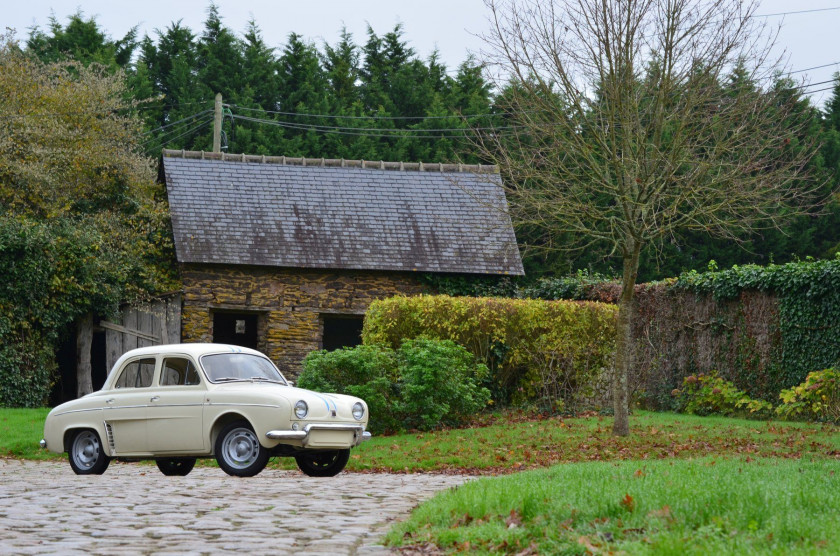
154 398
110 401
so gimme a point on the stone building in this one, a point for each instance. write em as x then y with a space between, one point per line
285 255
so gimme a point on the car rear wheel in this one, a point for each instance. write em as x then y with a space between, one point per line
175 467
86 454
326 463
239 452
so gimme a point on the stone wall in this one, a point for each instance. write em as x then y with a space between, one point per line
289 303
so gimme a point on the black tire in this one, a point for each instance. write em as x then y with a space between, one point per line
86 454
175 467
238 450
323 463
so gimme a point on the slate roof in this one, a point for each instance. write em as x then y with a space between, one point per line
339 214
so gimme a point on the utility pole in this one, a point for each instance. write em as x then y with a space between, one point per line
217 124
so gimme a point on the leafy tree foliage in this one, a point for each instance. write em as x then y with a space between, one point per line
80 226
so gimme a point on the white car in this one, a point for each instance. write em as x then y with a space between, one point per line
176 403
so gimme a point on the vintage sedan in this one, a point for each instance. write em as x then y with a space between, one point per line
176 403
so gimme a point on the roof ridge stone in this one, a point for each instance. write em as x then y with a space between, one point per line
336 162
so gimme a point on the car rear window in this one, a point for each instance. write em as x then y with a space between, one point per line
137 374
177 371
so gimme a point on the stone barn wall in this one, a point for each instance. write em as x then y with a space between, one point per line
289 303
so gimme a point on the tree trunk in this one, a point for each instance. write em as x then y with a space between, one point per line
624 341
84 340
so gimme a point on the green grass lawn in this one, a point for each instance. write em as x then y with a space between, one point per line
22 429
678 484
510 442
741 505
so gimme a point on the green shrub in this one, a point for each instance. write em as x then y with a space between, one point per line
27 367
711 395
367 372
817 398
575 286
553 353
439 383
424 384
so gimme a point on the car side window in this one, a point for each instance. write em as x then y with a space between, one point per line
178 371
137 374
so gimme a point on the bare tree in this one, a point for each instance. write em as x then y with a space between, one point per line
628 125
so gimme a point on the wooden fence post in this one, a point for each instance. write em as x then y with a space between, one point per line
84 341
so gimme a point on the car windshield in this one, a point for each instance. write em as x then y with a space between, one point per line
229 367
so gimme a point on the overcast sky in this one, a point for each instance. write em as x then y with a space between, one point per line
810 39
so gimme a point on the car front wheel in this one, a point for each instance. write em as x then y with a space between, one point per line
86 454
175 467
327 463
239 452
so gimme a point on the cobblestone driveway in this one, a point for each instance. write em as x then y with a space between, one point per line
131 509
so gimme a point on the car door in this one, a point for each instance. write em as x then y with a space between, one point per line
175 412
125 409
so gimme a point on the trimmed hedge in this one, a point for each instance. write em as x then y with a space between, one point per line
553 353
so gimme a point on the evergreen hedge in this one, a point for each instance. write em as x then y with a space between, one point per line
553 353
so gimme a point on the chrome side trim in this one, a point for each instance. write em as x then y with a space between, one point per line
243 404
79 411
109 433
359 432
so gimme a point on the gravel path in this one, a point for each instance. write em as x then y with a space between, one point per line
133 509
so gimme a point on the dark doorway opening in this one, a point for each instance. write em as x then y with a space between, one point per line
64 388
239 329
342 331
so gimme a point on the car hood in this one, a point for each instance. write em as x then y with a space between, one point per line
321 405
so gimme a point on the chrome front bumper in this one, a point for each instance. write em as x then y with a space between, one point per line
359 432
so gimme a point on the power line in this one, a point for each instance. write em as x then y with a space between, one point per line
150 106
814 67
814 84
821 90
396 134
799 12
334 116
377 129
425 118
192 117
169 139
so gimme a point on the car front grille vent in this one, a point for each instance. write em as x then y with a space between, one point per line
109 432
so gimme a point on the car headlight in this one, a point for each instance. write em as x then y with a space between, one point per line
358 411
301 409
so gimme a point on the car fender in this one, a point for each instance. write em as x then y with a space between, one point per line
262 417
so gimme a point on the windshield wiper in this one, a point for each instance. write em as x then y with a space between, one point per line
228 379
264 379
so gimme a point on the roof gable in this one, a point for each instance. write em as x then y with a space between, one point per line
233 209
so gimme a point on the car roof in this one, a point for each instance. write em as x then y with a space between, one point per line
196 350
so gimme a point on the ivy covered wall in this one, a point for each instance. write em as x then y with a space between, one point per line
763 328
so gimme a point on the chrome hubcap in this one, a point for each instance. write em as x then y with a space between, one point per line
86 449
241 448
